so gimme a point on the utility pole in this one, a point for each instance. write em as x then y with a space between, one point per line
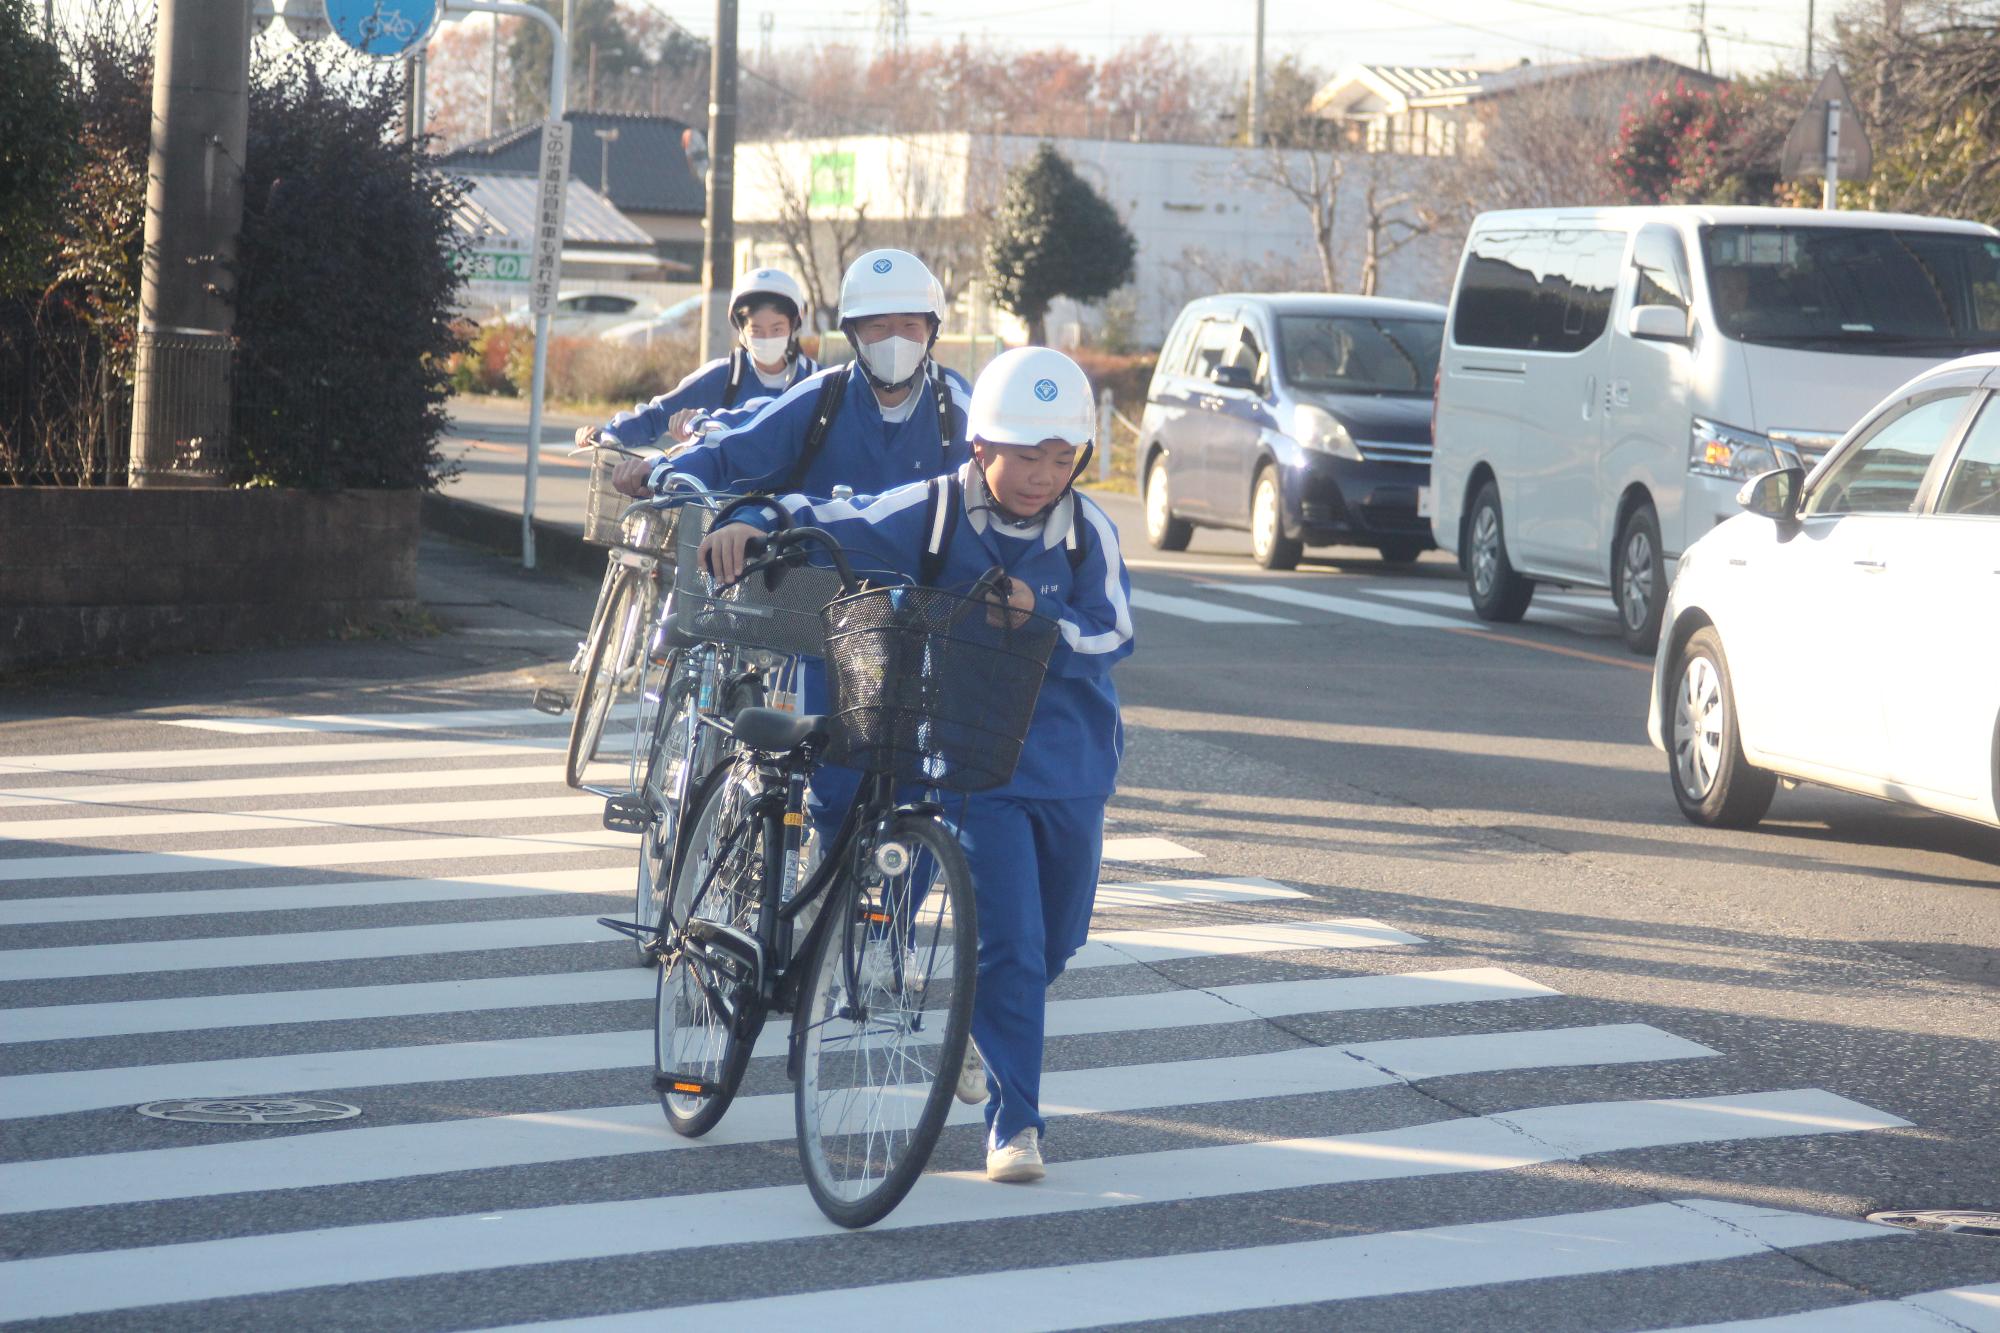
194 210
1809 37
493 80
719 257
420 67
1257 82
605 138
1702 60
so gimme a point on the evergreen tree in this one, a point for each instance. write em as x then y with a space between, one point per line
1054 236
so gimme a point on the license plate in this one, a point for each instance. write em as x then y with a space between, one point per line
1423 502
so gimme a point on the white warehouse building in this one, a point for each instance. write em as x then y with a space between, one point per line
1205 219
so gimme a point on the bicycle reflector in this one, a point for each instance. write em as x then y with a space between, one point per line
892 858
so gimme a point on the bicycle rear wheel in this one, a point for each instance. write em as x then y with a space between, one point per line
706 1011
613 645
885 1013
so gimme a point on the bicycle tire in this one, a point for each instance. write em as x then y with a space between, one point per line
609 641
882 957
689 1036
664 786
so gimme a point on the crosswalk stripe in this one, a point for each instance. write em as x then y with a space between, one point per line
124 1017
81 1090
105 1280
1190 892
300 897
1976 1309
1147 849
1582 608
1266 1277
128 794
122 824
1209 613
1378 612
397 1151
448 719
267 756
107 864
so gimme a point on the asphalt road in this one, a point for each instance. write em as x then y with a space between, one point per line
1513 1047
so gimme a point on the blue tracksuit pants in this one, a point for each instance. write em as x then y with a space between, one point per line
1034 872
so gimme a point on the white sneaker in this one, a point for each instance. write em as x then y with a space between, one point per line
971 1077
1018 1160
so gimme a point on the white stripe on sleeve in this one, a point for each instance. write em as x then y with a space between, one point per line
1121 632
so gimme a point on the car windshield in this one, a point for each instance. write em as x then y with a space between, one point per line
1852 289
1357 354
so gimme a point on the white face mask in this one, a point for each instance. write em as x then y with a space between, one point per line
894 359
767 351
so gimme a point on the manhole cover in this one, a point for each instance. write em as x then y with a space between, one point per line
249 1110
1960 1221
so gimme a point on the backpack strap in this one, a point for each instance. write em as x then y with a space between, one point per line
941 387
831 390
730 390
940 525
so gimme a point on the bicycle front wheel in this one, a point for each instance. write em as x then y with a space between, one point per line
611 645
706 1016
885 1014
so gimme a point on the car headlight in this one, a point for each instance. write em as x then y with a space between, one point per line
1315 428
1716 450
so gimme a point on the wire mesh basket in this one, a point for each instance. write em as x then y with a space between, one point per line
935 688
753 613
648 530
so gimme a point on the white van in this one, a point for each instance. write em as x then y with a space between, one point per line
1612 376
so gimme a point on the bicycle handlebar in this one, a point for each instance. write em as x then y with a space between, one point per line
788 547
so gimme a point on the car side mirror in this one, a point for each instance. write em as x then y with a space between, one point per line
1233 377
1774 495
1657 323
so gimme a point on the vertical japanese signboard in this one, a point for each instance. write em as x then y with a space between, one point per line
551 192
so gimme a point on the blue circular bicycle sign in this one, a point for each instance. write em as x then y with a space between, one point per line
384 27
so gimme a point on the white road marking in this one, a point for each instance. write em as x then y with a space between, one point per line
103 1280
1596 609
398 1151
82 1090
123 824
64 1022
1378 612
128 794
1209 613
1962 1308
1184 892
1147 849
1220 1282
106 864
300 897
448 719
265 756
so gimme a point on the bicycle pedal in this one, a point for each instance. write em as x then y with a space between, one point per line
685 1085
643 934
551 701
628 814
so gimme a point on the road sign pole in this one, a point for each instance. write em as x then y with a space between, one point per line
1830 192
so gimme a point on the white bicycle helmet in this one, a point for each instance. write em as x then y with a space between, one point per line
890 282
768 282
1031 395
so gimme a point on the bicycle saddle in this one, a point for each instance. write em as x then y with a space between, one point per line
773 730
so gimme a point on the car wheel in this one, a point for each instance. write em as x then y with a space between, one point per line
1714 784
1163 530
1401 553
1498 593
1269 545
1640 580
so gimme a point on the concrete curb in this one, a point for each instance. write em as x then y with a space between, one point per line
558 547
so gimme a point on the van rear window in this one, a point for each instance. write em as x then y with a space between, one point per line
1855 289
1537 291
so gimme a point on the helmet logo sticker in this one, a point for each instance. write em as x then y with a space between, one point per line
883 265
1045 390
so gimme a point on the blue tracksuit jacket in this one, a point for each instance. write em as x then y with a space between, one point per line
705 389
861 450
1076 738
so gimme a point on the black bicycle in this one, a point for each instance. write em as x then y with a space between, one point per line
874 953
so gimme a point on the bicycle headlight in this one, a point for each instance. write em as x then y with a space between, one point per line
1716 450
1316 428
892 858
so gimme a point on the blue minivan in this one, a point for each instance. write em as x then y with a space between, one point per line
1303 418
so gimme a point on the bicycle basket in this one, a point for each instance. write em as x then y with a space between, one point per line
936 688
750 614
649 531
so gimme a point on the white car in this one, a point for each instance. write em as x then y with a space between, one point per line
585 314
678 318
1846 630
